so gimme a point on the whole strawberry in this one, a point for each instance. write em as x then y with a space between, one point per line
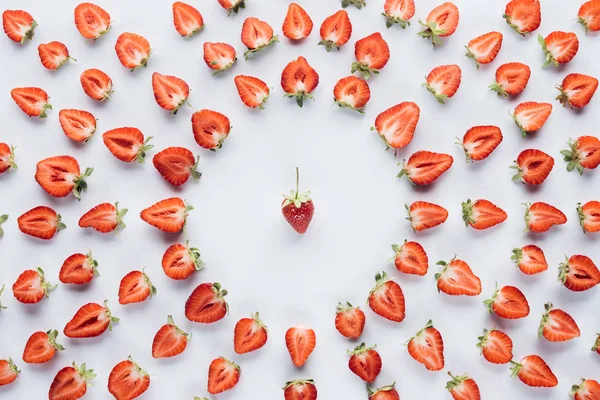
298 208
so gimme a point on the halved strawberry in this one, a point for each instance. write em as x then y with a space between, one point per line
508 302
578 273
589 15
588 389
511 79
232 5
104 218
210 129
533 166
352 92
78 125
557 325
96 84
424 167
531 116
206 304
398 12
133 50
349 320
187 19
60 175
7 158
78 269
496 346
457 279
3 219
443 82
9 372
442 21
589 216
92 21
396 125
54 55
249 334
176 164
180 261
559 47
253 91
222 375
299 79
411 258
219 56
127 380
427 347
33 101
365 362
41 347
257 35
372 54
297 23
335 30
577 90
300 389
386 298
484 49
170 340
71 382
90 320
524 16
127 144
423 215
168 215
480 141
583 153
170 92
463 387
40 222
482 214
300 342
135 287
18 25
540 217
530 259
383 393
533 371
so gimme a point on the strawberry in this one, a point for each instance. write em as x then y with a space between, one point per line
135 287
257 35
531 116
442 21
210 129
559 47
41 347
187 20
8 371
540 217
104 218
250 334
386 298
457 279
222 375
60 175
297 23
18 25
524 16
336 30
424 167
352 92
349 320
411 258
304 389
78 125
508 302
31 286
480 141
511 79
398 12
168 215
583 153
127 380
299 79
533 166
70 383
427 347
133 50
170 92
588 389
423 215
90 320
496 346
40 222
482 214
7 158
32 101
557 325
578 273
127 144
530 259
372 54
3 219
383 393
533 371
206 304
180 261
577 90
396 125
253 91
463 388
176 164
78 269
300 342
589 15
484 49
365 362
169 341
54 55
596 347
96 84
219 56
92 21
443 82
298 208
589 216
356 3
232 5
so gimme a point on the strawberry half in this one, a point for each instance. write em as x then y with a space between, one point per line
372 54
589 15
170 340
299 79
176 165
60 175
41 347
206 304
297 23
96 84
104 218
9 372
442 21
223 375
588 389
383 393
540 217
219 56
78 269
71 382
349 320
7 158
127 144
559 47
90 320
180 261
31 286
443 82
18 25
508 302
249 334
530 259
463 387
396 125
577 90
533 166
301 389
78 125
482 214
133 50
298 208
365 362
496 346
135 287
253 91
511 79
386 298
524 16
424 167
457 279
533 371
578 273
484 49
531 116
232 5
411 258
187 19
589 216
168 215
210 129
480 141
398 12
557 325
257 35
32 101
40 222
127 380
170 92
352 92
423 215
335 30
92 21
427 347
54 55
583 153
300 342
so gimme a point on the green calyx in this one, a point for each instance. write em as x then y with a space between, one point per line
580 213
518 176
572 158
409 218
397 250
86 374
373 392
466 151
137 366
517 255
467 212
112 319
52 335
404 172
455 381
364 69
499 89
432 32
489 303
59 224
390 21
596 343
152 288
11 365
3 219
350 106
563 270
171 322
524 133
120 214
357 3
260 48
445 265
47 286
80 183
329 45
236 7
44 112
143 62
472 56
220 293
299 382
300 97
30 32
549 56
482 340
296 197
107 93
11 159
380 279
527 216
575 389
194 254
563 97
441 98
256 318
225 68
343 307
515 369
194 170
141 153
361 349
545 319
182 102
428 325
2 290
513 26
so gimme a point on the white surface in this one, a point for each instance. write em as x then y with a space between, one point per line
237 222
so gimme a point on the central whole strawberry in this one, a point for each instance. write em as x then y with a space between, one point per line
298 208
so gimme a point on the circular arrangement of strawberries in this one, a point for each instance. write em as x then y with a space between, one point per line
61 176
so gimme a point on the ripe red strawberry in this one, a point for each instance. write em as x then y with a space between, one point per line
365 362
583 153
210 129
508 302
7 158
219 56
533 371
559 47
176 164
442 21
589 216
578 273
253 91
300 342
187 20
443 82
40 222
232 5
297 23
299 79
250 334
423 215
8 371
530 259
383 393
222 375
484 49
133 50
90 320
463 387
411 258
41 347
168 215
396 125
540 217
496 346
78 269
32 101
386 298
18 25
257 35
588 389
557 325
511 79
54 55
427 347
31 286
96 84
170 92
60 175
298 208
352 92
372 54
169 341
127 144
531 116
533 166
181 261
135 287
480 141
127 380
482 214
398 12
70 383
78 125
457 279
206 304
577 90
304 389
424 167
589 15
104 218
92 21
336 30
3 219
349 320
524 16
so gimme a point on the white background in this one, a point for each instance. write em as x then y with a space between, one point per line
237 222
